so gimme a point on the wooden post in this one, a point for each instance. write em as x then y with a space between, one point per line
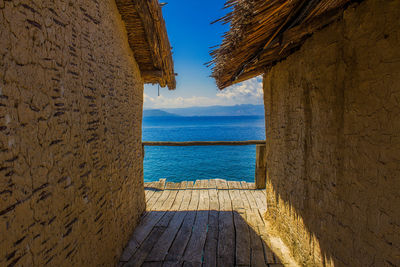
261 167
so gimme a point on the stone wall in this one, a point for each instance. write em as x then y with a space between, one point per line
333 141
71 185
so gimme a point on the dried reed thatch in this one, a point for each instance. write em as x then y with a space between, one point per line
147 36
263 32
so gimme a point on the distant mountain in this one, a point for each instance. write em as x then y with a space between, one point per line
237 110
157 113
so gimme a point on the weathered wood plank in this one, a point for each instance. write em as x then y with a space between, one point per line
152 264
197 184
211 245
260 199
237 202
147 234
194 250
206 184
183 185
245 201
160 250
255 221
189 185
212 184
162 182
242 246
170 264
242 235
244 185
149 186
159 203
154 199
179 244
254 199
221 184
257 250
231 184
226 233
139 256
141 232
171 185
148 194
148 220
153 219
171 204
150 190
270 258
249 196
261 196
251 185
225 186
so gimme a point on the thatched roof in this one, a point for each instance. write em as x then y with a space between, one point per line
147 36
263 32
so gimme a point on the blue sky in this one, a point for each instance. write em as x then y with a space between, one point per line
191 35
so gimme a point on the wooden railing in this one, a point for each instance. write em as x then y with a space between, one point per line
261 163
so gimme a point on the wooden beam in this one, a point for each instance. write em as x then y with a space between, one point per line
150 14
151 31
204 143
153 76
261 167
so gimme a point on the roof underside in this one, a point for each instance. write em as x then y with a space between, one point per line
263 32
148 39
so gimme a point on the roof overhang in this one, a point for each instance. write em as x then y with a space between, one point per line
264 32
148 39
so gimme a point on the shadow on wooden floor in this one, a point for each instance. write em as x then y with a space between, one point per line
203 223
198 238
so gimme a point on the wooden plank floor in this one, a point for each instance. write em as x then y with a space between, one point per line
202 223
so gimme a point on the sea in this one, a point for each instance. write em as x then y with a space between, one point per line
233 163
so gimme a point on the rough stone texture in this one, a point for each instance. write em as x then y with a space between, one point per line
333 141
71 185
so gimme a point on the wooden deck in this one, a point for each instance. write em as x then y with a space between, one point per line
206 223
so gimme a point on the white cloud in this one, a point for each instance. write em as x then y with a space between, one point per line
165 102
248 92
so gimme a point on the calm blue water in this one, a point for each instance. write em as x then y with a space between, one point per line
205 162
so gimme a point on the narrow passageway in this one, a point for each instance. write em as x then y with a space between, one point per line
203 223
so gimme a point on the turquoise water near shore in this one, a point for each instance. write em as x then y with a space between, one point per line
235 163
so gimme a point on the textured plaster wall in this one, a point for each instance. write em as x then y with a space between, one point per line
71 186
333 141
